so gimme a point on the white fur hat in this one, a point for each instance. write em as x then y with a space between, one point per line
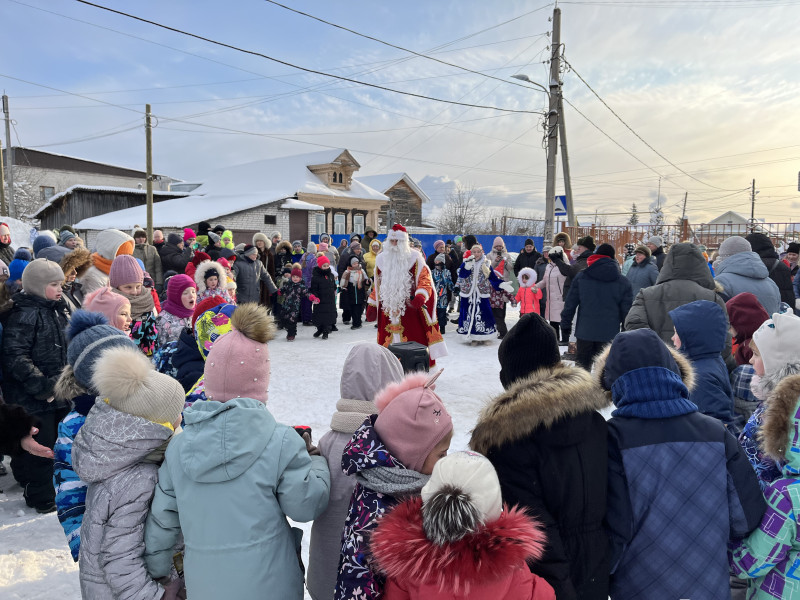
778 341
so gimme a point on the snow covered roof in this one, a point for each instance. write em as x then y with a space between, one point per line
295 204
102 188
383 183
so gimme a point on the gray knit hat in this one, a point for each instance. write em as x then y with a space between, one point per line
38 274
130 384
656 240
65 235
88 334
213 237
733 245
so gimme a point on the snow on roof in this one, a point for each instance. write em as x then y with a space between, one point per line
293 203
383 183
102 188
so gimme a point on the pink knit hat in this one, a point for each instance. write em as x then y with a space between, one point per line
322 247
125 270
105 301
238 364
411 419
188 234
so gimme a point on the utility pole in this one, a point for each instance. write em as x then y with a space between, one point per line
753 207
553 118
683 213
562 131
149 168
658 199
12 207
3 207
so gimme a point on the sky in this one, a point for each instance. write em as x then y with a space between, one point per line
706 92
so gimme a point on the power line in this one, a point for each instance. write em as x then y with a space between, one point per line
294 66
396 47
621 120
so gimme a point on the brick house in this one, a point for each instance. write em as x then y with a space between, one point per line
405 198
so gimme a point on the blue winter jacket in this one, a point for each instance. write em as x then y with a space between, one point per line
702 328
228 483
746 272
642 275
679 486
604 297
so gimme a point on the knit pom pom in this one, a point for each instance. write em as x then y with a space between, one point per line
82 320
393 390
253 321
121 372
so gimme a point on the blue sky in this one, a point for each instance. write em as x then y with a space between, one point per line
714 90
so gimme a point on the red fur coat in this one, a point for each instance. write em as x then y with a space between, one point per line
486 565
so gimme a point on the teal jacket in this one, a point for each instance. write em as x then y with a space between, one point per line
228 483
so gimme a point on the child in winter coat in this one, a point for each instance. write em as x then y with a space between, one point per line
292 292
263 476
117 453
126 278
661 448
211 280
323 288
354 290
88 334
443 286
528 295
177 310
367 369
391 455
767 557
115 308
284 276
700 332
229 281
456 541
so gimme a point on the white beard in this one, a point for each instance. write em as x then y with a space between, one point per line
396 281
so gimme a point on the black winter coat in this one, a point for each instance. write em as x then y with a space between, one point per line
548 444
15 424
323 286
659 256
605 297
570 271
248 274
187 360
344 261
526 260
34 352
174 259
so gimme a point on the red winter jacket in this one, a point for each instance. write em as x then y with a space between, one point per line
486 565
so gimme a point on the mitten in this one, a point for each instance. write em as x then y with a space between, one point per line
506 285
418 301
312 449
372 313
565 332
313 298
469 263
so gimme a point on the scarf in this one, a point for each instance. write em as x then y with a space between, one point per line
393 481
176 308
141 304
651 393
350 414
101 263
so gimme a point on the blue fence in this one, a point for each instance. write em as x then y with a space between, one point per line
514 243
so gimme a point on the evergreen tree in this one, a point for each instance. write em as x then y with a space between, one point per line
657 220
634 220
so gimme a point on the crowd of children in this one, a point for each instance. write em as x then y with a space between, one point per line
168 470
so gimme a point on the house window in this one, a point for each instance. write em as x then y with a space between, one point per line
46 192
358 224
270 220
320 224
338 224
340 178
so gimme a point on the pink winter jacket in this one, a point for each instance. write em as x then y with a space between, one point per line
486 565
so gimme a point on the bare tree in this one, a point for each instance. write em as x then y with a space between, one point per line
463 211
27 197
508 221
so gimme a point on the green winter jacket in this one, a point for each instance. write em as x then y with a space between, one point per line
228 483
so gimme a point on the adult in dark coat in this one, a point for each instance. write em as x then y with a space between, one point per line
656 246
778 271
661 448
604 297
527 257
250 273
586 247
17 429
174 257
323 286
547 442
439 247
267 258
541 267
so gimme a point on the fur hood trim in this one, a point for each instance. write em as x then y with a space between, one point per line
67 387
562 236
492 552
684 365
200 274
779 418
533 277
544 397
79 259
284 245
262 237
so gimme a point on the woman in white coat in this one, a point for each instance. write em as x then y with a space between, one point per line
552 284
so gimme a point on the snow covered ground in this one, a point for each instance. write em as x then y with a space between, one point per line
304 387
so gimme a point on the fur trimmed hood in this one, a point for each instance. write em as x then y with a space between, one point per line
492 553
684 365
781 422
533 277
79 259
544 397
284 245
200 273
67 387
262 237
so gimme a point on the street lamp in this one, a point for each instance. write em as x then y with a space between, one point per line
552 148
